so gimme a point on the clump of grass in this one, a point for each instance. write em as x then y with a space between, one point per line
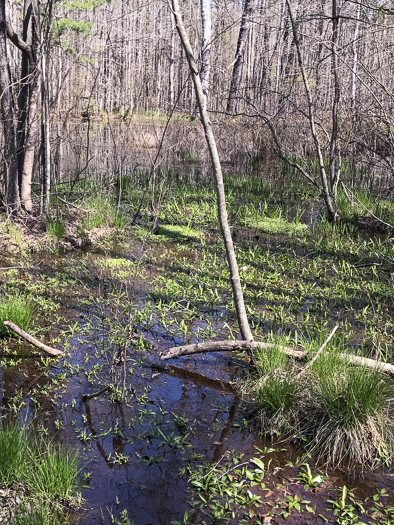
55 227
349 412
14 454
37 514
344 412
120 220
276 390
55 473
17 309
47 474
102 212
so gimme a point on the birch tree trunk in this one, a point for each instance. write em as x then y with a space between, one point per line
221 200
239 56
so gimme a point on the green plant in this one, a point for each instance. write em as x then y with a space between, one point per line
14 453
18 309
54 226
349 411
275 389
306 477
346 513
55 473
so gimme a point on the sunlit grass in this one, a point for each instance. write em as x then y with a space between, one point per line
17 309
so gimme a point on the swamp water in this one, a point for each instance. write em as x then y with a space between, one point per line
179 449
176 414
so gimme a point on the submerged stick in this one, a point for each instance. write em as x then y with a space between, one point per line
228 346
32 340
86 397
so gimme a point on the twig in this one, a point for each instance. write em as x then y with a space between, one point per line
32 340
14 268
365 208
86 397
73 205
308 365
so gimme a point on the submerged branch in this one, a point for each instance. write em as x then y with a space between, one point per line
32 340
86 397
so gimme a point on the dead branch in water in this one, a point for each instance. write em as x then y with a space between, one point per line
32 340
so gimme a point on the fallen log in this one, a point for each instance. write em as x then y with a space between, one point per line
32 340
228 346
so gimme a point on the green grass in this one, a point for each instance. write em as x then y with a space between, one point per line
275 390
270 221
17 309
55 474
102 212
55 227
350 412
14 454
46 473
37 514
343 412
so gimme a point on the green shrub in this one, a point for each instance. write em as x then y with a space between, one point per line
17 309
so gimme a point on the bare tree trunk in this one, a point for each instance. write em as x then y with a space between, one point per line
31 140
334 152
11 190
311 112
206 37
221 200
46 136
239 57
171 77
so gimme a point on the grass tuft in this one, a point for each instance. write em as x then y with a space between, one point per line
55 227
17 309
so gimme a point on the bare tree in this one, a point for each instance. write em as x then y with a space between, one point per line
217 170
240 55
